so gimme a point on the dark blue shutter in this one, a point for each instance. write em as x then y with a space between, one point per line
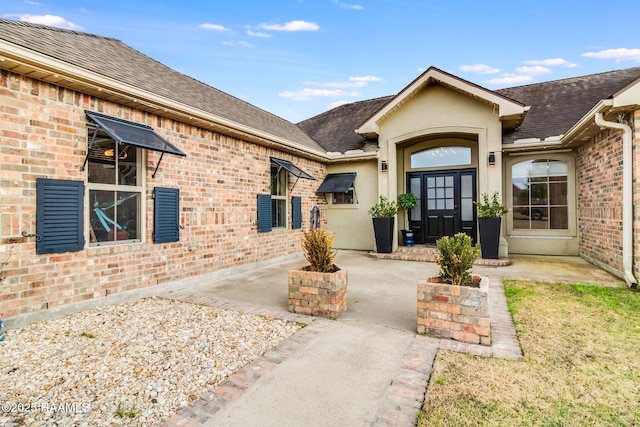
296 212
166 215
264 213
59 215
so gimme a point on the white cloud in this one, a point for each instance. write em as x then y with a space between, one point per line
348 6
551 62
533 71
307 94
238 43
479 68
337 104
358 81
51 20
256 34
214 27
511 79
620 54
292 26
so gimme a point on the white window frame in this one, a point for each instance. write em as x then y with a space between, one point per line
279 196
140 188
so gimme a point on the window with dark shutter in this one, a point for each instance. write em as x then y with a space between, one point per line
264 213
166 215
59 215
296 212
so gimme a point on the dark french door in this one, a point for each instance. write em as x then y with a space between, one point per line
445 204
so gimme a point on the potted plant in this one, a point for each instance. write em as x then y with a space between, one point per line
455 305
383 214
407 201
320 288
490 213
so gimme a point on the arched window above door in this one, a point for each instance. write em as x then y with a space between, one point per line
441 157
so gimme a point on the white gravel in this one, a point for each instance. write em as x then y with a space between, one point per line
131 364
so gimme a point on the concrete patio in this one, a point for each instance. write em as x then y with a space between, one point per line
367 368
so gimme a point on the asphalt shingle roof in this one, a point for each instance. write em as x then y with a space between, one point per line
335 129
114 59
557 105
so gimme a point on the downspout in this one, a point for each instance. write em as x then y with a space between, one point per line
627 196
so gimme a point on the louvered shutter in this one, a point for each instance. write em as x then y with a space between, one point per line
264 213
59 215
166 215
296 212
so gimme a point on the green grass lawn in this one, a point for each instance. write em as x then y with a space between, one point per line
581 364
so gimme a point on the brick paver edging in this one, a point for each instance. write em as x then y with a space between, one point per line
204 409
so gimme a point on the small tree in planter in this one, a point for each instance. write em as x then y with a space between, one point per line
383 214
456 257
407 201
453 305
490 213
320 288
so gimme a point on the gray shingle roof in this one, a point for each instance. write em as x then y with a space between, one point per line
114 59
557 105
335 129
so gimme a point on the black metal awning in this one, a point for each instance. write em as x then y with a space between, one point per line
337 183
130 133
292 169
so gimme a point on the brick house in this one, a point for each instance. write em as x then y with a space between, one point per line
120 174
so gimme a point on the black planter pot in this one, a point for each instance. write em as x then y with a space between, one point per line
489 229
383 231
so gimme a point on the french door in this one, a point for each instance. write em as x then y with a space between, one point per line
445 204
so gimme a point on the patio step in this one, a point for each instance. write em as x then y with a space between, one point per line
426 253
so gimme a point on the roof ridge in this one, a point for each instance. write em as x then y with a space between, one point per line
54 29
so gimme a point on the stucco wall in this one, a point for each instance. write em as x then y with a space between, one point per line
44 135
351 223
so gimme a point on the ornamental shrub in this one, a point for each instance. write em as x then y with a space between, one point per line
456 257
316 245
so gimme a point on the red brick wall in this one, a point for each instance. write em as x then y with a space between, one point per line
43 131
599 181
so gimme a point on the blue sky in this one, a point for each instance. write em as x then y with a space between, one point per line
298 58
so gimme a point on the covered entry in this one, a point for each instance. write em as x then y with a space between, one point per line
445 204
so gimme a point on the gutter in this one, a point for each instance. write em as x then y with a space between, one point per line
627 195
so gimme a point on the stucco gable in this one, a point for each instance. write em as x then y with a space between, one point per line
509 111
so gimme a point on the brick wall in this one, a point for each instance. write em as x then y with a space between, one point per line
43 130
599 182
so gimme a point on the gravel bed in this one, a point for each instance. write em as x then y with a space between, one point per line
130 364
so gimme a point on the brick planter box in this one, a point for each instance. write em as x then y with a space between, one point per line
459 313
318 294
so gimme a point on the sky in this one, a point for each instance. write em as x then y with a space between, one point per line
299 58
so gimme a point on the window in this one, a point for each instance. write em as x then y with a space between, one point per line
540 195
441 157
115 185
340 186
278 196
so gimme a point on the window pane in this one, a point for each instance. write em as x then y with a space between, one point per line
114 216
416 213
128 210
278 213
540 195
127 166
343 198
441 156
278 181
101 167
467 209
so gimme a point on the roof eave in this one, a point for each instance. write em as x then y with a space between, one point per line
42 67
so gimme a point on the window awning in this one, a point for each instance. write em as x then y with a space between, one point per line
131 133
291 168
337 183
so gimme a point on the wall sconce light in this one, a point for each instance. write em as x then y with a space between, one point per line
492 158
383 166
